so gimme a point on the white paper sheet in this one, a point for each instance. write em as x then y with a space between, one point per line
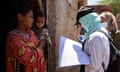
70 53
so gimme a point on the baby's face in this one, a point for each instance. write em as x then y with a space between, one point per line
40 22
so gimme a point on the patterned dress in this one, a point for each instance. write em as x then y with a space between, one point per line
23 53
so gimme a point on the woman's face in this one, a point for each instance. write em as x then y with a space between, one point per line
40 21
27 20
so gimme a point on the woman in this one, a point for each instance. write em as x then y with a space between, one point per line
23 52
109 21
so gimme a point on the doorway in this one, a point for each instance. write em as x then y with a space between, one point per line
7 21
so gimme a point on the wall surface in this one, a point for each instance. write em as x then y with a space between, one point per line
61 15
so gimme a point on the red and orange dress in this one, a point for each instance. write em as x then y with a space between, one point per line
23 53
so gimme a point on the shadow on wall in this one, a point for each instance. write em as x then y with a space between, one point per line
7 19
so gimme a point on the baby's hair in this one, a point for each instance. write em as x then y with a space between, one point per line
40 14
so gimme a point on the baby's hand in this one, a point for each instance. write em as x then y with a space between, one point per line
45 33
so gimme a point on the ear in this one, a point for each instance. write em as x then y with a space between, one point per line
102 19
20 16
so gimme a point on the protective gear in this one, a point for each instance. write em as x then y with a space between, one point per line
105 24
90 23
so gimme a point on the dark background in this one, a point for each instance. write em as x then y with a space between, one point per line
7 17
7 21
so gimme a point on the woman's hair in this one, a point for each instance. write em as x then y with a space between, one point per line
110 18
23 7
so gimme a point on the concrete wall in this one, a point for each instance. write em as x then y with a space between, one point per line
61 16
